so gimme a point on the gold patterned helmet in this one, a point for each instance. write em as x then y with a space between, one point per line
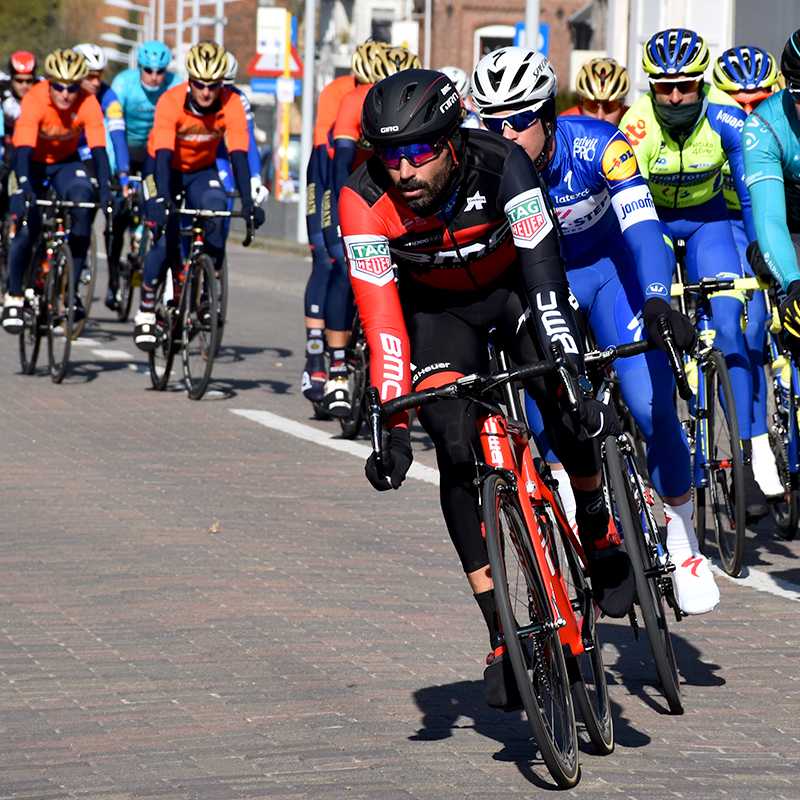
602 79
207 61
65 66
363 57
389 60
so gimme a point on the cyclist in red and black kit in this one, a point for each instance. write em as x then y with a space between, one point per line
464 219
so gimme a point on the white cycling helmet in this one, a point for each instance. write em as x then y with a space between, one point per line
96 58
458 78
232 70
513 79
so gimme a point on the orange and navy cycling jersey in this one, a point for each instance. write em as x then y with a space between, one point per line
330 99
496 227
53 134
194 138
348 122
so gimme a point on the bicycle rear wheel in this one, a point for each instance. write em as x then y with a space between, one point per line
86 283
531 636
199 329
723 497
650 576
222 303
357 368
587 671
783 437
160 359
60 293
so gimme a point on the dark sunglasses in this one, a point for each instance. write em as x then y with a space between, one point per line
518 122
415 154
151 71
608 106
684 87
22 80
72 88
204 85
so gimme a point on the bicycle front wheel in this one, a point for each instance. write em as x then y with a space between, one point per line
722 499
60 293
530 633
650 577
199 326
86 282
160 359
31 337
783 438
357 377
222 303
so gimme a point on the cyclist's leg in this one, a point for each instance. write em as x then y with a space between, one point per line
338 311
72 182
314 373
765 470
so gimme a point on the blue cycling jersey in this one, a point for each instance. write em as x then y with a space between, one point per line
599 194
772 174
116 145
139 104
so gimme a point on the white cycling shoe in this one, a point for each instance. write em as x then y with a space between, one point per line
695 588
144 333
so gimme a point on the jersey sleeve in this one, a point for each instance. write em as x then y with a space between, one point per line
636 213
348 119
236 131
115 124
26 128
91 117
522 198
763 166
165 122
369 262
728 122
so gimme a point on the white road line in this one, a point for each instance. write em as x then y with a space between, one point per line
309 434
752 578
113 355
86 341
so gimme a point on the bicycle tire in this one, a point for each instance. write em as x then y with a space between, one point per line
160 359
559 750
222 303
86 284
30 340
730 543
648 594
60 291
587 671
783 428
357 368
199 315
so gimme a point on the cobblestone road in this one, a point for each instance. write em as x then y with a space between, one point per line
193 605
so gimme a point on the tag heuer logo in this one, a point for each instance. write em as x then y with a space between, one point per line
475 203
369 259
527 218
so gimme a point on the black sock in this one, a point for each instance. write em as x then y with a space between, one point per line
591 513
315 342
488 607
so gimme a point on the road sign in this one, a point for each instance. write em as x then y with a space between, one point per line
262 65
270 86
543 43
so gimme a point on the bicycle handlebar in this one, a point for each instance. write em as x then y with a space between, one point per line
66 204
210 213
709 286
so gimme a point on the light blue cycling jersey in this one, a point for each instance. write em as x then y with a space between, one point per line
600 196
772 173
139 104
116 144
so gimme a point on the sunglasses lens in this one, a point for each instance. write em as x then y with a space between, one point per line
494 124
415 154
517 122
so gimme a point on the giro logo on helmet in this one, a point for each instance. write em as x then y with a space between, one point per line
390 129
449 102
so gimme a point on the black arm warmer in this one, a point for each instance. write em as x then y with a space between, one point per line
102 170
162 172
22 162
241 174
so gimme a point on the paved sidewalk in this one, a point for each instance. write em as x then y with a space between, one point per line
195 606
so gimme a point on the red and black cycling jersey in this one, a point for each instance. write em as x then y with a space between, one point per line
495 226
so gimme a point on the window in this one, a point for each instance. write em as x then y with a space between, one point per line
491 37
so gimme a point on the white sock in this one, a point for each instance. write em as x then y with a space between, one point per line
681 538
566 494
765 470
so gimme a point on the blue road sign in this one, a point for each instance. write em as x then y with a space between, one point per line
543 45
270 86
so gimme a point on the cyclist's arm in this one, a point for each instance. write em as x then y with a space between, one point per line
90 115
369 262
729 126
253 156
636 212
165 123
115 123
237 140
26 134
522 199
346 133
763 164
344 155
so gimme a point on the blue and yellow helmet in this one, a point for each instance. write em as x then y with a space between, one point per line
675 51
743 69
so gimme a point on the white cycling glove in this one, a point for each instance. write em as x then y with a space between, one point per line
259 192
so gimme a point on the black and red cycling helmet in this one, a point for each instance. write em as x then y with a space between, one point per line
415 105
21 62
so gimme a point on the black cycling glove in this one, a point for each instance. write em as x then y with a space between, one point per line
790 316
398 458
683 331
597 420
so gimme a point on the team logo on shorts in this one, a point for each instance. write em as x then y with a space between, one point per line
619 162
369 259
528 217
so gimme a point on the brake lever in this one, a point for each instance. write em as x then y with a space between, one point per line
675 361
251 231
375 414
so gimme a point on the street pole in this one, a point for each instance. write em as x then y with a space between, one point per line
532 24
161 19
286 113
426 58
309 39
219 29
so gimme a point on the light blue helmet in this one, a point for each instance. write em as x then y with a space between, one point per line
153 55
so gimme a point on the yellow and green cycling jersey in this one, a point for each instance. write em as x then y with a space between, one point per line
687 173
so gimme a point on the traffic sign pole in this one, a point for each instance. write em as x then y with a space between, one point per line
306 143
286 110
